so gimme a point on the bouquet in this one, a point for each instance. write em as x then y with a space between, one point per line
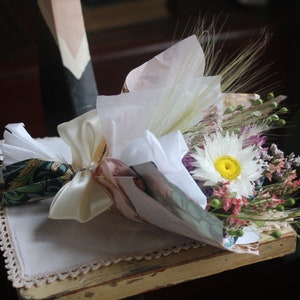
183 147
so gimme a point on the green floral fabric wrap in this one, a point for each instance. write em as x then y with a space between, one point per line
33 179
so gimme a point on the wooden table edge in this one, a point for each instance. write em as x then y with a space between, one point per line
129 278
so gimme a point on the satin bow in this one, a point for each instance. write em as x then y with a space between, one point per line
82 198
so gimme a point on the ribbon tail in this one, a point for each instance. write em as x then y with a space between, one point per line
80 199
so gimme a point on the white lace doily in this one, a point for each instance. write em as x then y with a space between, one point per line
40 250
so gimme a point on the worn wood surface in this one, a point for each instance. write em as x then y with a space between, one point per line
126 279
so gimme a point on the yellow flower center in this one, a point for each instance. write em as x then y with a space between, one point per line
228 167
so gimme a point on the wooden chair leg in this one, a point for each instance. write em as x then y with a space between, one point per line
67 79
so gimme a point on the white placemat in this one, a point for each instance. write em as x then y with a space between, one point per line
40 250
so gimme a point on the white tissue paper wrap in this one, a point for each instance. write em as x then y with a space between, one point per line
167 96
183 59
166 153
19 145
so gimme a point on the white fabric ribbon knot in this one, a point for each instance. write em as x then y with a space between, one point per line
82 198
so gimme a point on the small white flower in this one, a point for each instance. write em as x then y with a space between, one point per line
224 159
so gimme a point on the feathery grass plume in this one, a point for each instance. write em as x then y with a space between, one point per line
242 70
208 36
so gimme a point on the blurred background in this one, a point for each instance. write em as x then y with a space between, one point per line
124 34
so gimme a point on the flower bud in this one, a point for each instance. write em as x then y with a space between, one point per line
280 207
215 203
273 104
274 117
229 109
290 202
276 234
258 102
237 130
270 96
239 232
283 110
281 122
236 232
240 107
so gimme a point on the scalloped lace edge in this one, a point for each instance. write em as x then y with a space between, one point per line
20 280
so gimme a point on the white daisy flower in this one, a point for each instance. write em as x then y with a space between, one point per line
224 159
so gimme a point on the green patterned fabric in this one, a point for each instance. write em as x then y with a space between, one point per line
33 179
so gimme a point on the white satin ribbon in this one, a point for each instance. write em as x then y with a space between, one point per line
82 198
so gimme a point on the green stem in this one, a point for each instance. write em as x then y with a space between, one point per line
251 219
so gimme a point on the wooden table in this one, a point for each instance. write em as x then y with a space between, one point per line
126 279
